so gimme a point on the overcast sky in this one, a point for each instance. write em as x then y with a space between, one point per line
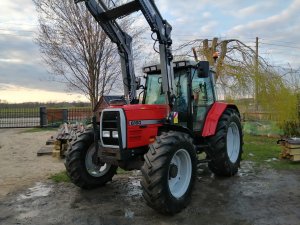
24 77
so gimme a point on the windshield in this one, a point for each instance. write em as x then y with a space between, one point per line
154 92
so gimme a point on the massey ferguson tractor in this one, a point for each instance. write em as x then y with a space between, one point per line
161 135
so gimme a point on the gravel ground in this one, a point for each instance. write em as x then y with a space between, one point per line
19 164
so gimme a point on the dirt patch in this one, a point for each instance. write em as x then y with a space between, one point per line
20 166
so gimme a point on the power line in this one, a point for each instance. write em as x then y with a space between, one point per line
286 46
285 42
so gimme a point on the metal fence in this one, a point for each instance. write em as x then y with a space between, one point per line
42 117
19 117
82 115
55 117
259 116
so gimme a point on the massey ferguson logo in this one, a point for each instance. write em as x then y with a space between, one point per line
135 122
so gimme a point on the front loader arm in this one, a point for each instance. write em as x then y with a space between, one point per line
107 20
163 31
124 43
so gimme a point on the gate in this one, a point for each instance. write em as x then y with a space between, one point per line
42 117
19 117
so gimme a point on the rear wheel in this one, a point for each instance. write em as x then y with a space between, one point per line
169 172
80 166
226 145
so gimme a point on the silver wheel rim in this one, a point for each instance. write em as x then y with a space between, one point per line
93 169
179 184
233 142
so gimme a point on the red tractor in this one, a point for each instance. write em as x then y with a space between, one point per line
178 118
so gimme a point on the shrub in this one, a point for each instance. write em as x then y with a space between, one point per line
291 128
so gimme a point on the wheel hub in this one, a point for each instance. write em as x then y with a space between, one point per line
173 171
233 142
180 173
98 168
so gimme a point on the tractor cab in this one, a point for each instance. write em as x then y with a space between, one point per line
192 104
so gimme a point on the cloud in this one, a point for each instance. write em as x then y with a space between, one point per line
21 64
18 12
247 11
276 22
276 32
11 61
17 94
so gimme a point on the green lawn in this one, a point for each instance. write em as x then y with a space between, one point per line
265 152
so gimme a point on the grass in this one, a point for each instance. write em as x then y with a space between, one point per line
60 177
263 150
121 171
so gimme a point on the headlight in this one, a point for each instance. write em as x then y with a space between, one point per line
115 134
106 133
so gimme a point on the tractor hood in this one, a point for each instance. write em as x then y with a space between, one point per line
144 112
142 123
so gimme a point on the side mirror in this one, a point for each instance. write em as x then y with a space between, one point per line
203 69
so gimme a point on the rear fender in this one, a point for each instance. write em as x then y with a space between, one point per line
213 116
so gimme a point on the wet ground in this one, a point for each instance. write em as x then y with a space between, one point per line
19 164
253 197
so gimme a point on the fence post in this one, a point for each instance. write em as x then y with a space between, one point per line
65 115
43 116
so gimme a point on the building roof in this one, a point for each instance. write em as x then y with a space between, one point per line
108 98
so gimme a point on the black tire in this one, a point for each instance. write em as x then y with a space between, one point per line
76 167
223 164
156 172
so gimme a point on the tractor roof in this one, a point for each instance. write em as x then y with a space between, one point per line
176 65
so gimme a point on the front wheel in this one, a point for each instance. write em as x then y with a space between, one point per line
80 166
226 145
169 172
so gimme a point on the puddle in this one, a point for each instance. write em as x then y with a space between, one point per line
255 188
246 169
27 215
135 181
129 214
39 190
134 187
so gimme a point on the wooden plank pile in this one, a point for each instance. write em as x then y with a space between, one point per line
64 136
290 149
58 144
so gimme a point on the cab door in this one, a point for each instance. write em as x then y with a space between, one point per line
203 98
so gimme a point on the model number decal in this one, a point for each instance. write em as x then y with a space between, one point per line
144 122
135 122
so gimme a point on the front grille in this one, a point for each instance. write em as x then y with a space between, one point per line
110 122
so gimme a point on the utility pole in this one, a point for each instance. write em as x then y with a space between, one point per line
256 75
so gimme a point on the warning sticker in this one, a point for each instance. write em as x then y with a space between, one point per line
175 117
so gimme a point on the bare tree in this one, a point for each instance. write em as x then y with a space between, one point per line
76 48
